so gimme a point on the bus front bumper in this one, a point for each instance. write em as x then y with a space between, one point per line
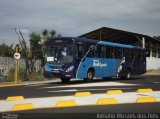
48 74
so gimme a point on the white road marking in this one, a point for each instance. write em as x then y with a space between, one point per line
155 82
93 84
36 84
72 90
92 89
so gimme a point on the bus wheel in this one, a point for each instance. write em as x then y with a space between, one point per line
90 76
128 75
65 80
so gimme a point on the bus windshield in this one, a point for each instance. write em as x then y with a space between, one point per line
59 53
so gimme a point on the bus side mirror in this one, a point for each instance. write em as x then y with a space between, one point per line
91 47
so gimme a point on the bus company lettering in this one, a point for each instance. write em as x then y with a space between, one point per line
97 63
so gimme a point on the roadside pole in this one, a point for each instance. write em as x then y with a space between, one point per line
17 57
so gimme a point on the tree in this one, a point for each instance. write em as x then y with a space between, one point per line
45 35
52 33
35 48
6 50
24 51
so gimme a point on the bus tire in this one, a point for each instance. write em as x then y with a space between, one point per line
65 80
128 75
90 76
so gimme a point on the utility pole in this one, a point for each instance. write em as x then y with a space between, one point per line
17 57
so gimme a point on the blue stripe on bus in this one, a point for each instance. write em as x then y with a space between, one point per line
115 44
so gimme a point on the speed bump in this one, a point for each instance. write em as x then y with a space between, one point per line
26 106
105 101
14 98
147 90
66 103
146 99
114 92
79 94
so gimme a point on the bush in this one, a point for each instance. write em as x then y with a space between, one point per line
21 75
11 74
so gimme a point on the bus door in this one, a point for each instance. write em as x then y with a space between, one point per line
110 61
84 57
79 54
99 63
119 61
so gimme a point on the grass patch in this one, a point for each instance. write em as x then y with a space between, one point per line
153 71
35 76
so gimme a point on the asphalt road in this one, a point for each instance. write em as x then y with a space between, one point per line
97 86
54 89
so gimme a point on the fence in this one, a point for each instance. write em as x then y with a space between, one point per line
7 62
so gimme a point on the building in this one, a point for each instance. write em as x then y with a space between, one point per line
125 37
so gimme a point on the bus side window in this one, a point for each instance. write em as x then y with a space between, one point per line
109 52
99 51
79 51
126 53
90 48
134 54
118 52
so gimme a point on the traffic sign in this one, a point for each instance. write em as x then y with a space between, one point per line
17 56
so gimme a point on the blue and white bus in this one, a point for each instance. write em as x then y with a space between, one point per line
81 58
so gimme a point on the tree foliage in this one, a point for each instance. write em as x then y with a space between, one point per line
35 46
6 50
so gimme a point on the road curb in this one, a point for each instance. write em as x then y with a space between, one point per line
17 102
146 99
66 103
146 90
27 106
27 83
14 98
10 85
105 101
114 92
81 94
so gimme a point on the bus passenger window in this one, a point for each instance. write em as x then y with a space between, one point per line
118 52
99 51
109 52
79 51
126 53
91 51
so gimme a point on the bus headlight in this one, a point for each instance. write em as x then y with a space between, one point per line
45 69
70 69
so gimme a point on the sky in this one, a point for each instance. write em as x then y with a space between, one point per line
77 17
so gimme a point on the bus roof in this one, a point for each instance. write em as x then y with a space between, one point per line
96 41
106 43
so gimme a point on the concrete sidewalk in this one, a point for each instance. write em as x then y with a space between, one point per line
79 99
